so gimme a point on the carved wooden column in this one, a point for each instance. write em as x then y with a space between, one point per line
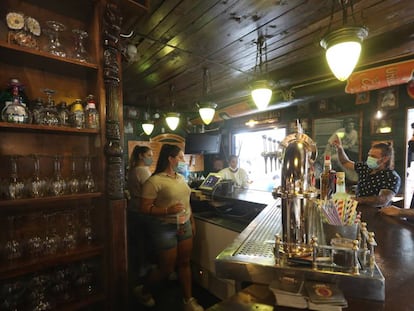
114 159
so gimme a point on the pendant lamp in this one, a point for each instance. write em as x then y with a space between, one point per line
343 46
261 87
147 123
206 108
172 118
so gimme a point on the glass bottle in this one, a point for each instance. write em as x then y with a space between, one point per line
37 111
15 111
57 184
91 113
325 184
77 115
69 239
63 114
49 114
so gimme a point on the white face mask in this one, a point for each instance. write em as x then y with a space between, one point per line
372 162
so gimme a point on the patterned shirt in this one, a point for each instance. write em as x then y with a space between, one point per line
371 184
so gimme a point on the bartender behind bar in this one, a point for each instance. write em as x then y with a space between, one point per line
235 173
378 182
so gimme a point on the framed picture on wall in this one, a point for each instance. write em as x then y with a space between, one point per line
381 126
347 127
128 127
388 98
362 98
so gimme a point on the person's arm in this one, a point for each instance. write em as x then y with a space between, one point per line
148 207
342 157
397 212
380 200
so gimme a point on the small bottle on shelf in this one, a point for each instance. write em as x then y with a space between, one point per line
340 193
91 113
327 179
77 115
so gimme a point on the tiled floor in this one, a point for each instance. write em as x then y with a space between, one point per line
169 298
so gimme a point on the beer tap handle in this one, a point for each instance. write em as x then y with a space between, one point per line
270 153
264 153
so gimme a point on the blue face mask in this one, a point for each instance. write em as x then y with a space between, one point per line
147 161
372 162
181 168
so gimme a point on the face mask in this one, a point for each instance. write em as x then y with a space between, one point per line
372 162
181 168
147 161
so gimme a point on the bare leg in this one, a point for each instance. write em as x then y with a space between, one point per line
184 270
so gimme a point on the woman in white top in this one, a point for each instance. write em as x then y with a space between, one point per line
166 202
139 257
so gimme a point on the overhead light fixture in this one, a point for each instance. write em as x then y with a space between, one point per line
172 118
148 127
206 108
261 87
343 46
147 124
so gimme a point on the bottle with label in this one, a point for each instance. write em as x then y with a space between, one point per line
327 179
91 113
77 115
340 193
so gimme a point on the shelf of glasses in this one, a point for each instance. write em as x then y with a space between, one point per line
17 267
51 199
12 52
46 128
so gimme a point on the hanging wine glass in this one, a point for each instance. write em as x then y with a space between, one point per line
57 184
12 247
52 240
86 232
36 185
79 52
88 181
54 46
73 182
15 187
34 242
69 239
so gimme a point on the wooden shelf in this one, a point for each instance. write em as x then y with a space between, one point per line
14 51
46 128
52 199
23 266
82 303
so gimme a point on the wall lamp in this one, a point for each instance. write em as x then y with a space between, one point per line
343 46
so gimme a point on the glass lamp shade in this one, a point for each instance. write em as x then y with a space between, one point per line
207 111
172 120
148 127
261 93
343 48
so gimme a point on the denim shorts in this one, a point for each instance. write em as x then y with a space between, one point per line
166 235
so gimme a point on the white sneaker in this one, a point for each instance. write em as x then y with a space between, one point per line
145 299
192 305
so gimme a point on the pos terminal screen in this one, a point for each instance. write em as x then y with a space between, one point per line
210 182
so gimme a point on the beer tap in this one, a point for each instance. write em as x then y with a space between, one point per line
270 153
264 153
275 145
